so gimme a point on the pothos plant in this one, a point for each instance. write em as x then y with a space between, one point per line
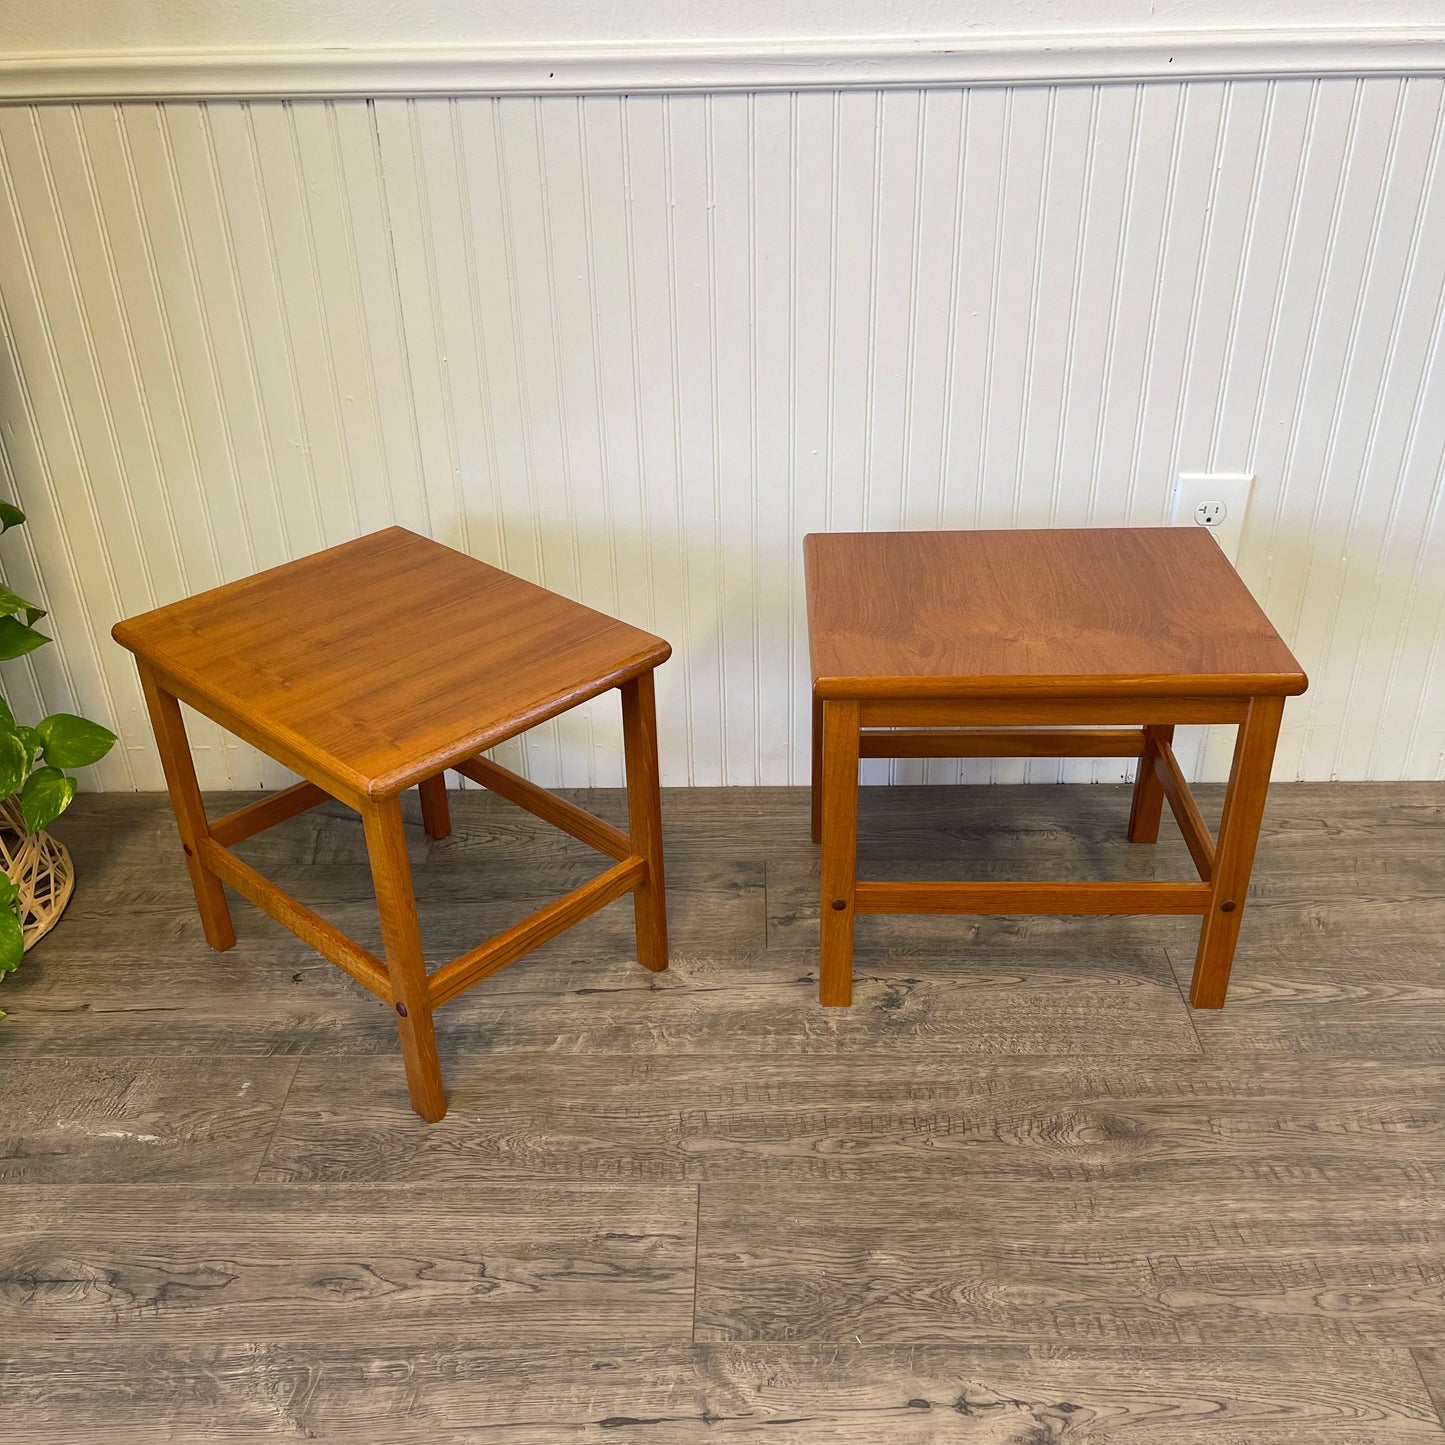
33 759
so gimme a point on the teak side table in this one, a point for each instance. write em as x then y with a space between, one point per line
999 644
372 667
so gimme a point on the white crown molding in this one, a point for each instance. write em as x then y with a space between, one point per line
763 65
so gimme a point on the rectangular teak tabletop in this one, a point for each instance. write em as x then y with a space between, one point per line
1092 612
387 658
1001 644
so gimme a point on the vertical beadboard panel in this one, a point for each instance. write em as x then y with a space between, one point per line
810 187
933 313
634 347
621 524
1401 590
55 407
691 277
773 462
733 426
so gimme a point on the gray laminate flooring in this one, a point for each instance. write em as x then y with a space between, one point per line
1018 1194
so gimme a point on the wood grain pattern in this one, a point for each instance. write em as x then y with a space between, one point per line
801 1394
994 1125
140 1120
360 1266
386 659
839 1262
1097 612
1431 1363
1009 996
1310 991
1017 1193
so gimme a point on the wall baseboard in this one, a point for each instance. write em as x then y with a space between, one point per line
764 65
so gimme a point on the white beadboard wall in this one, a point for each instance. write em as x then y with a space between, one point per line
634 348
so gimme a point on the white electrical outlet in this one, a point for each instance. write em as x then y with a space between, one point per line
1216 500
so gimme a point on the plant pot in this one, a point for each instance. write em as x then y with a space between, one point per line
40 868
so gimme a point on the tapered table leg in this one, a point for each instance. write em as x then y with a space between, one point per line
1148 804
1234 852
190 811
391 877
436 814
644 813
840 851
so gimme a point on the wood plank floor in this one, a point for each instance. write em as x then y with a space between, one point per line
1017 1195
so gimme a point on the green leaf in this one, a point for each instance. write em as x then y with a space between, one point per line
14 762
12 941
45 796
7 718
31 739
73 742
16 639
14 602
10 516
9 891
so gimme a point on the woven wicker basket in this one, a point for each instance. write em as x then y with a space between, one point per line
40 867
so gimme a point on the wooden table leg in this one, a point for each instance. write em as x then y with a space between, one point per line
815 789
840 850
644 815
391 877
190 811
1148 805
436 814
1234 852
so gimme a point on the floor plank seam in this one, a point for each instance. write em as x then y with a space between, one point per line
276 1127
1184 999
1429 1392
767 911
696 1257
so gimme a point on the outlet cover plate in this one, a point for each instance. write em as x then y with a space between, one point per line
1216 500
